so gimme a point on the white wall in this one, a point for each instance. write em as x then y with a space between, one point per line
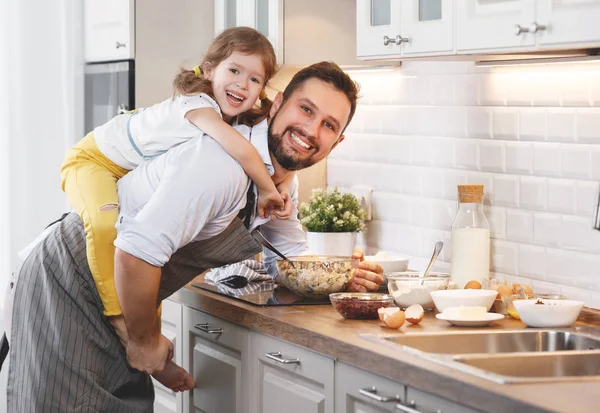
531 135
41 115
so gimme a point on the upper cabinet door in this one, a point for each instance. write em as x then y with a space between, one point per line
378 29
266 16
429 26
109 30
491 25
567 22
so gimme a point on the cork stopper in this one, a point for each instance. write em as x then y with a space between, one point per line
470 193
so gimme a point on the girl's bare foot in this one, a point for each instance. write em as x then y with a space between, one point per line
174 378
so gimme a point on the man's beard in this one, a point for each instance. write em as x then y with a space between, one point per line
287 159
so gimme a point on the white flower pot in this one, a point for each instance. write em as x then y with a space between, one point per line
331 243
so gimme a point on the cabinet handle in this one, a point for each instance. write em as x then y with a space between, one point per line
534 27
278 358
520 29
205 328
371 393
409 409
396 40
119 45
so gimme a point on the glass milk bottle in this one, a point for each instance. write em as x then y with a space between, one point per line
470 256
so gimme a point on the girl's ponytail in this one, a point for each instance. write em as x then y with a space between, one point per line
257 114
191 82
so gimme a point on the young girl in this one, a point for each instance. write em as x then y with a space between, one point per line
208 99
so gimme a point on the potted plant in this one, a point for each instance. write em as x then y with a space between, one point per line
332 220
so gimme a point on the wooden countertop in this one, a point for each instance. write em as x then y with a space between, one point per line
322 329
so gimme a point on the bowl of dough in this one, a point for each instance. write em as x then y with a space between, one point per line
314 276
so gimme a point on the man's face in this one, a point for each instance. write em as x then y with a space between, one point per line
308 125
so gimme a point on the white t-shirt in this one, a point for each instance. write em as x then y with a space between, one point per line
131 139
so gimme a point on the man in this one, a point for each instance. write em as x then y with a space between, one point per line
178 217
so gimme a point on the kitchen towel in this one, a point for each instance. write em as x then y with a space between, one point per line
251 270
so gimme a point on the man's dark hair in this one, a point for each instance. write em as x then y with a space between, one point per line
327 72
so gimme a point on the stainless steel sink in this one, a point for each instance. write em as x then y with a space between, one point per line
537 366
496 342
519 356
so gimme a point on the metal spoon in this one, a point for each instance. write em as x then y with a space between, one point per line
436 252
262 240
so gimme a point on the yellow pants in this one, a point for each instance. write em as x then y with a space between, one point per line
90 181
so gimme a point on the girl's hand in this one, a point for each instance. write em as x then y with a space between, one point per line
288 207
268 201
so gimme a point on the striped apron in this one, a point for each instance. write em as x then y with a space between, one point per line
64 354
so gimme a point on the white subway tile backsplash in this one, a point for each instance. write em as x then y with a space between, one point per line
442 88
532 124
530 135
576 233
466 90
562 196
532 262
465 154
492 90
451 181
492 156
533 193
546 159
587 198
519 158
547 229
505 257
454 121
588 125
442 152
497 219
576 161
506 123
506 190
519 225
479 122
432 181
420 90
560 265
561 124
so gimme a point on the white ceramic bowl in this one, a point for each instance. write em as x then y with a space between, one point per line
456 298
553 313
389 263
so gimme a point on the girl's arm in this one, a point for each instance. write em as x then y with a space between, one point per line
209 121
284 190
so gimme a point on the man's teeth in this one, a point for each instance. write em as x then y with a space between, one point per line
299 141
233 95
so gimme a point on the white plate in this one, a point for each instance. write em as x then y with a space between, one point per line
489 317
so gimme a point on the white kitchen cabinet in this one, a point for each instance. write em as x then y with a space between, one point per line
358 391
425 402
215 353
109 30
288 378
378 29
266 16
483 25
429 25
567 23
394 29
166 400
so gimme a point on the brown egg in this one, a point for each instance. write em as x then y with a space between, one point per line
473 285
527 289
414 314
392 317
504 290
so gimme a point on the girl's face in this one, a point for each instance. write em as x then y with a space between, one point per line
236 81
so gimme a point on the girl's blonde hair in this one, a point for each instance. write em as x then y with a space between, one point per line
236 39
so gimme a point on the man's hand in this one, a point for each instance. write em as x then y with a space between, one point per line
151 356
175 378
368 276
